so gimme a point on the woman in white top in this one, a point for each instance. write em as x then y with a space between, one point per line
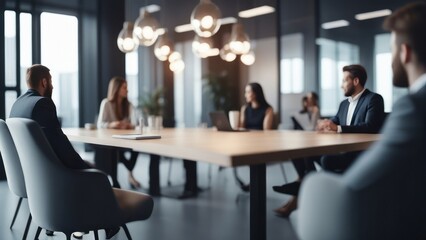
117 112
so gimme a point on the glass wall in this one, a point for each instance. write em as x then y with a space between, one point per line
15 85
59 52
333 57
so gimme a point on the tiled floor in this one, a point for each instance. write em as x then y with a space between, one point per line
220 212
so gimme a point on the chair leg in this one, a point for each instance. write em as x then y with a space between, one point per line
169 173
283 172
27 227
95 232
37 233
16 212
126 230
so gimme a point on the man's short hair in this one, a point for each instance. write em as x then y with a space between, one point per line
36 73
357 71
409 24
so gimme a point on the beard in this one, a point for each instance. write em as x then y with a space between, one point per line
48 93
400 76
350 91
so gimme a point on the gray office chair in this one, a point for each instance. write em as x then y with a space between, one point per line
15 178
67 200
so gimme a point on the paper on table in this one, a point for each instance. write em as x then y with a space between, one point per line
136 136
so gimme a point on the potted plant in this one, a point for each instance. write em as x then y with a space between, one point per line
152 105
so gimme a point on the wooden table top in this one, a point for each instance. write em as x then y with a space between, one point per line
230 148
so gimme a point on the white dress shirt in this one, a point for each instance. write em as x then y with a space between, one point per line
353 101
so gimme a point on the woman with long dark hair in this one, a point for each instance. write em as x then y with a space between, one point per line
117 112
256 114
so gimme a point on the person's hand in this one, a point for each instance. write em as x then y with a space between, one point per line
125 124
114 124
326 126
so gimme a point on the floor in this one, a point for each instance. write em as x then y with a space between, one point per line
221 211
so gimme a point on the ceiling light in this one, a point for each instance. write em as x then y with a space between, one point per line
201 46
248 58
177 66
374 14
152 8
126 41
188 27
160 31
146 28
257 11
239 41
226 53
335 24
163 47
205 18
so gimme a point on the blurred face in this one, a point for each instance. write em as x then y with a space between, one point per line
249 94
348 84
310 100
400 76
122 93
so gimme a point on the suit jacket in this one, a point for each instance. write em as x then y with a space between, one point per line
368 115
42 110
390 178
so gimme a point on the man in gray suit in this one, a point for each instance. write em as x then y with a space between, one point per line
383 195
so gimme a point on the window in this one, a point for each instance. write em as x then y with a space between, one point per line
25 57
292 65
383 71
333 57
59 52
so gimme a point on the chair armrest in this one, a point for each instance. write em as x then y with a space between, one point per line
326 209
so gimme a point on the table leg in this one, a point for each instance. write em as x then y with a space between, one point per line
258 202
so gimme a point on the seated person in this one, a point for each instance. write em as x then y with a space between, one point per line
117 112
37 104
361 112
255 114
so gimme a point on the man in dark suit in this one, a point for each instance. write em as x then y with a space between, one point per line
37 104
361 112
388 180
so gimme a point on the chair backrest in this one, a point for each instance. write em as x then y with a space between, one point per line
61 199
12 164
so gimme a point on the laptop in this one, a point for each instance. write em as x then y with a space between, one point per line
221 122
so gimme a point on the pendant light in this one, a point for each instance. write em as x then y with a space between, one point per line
205 18
126 41
163 47
226 53
239 42
248 58
201 46
176 62
145 28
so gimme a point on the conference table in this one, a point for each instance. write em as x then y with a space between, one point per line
230 149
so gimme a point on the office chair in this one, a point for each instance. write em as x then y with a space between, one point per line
15 178
68 200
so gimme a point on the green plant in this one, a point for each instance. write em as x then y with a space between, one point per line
153 103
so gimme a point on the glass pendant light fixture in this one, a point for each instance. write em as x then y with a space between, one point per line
226 53
201 46
163 47
145 28
176 62
248 58
239 42
205 18
126 42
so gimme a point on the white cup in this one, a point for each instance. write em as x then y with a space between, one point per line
89 126
140 122
234 119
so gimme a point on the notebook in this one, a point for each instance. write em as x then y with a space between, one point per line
221 122
136 136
